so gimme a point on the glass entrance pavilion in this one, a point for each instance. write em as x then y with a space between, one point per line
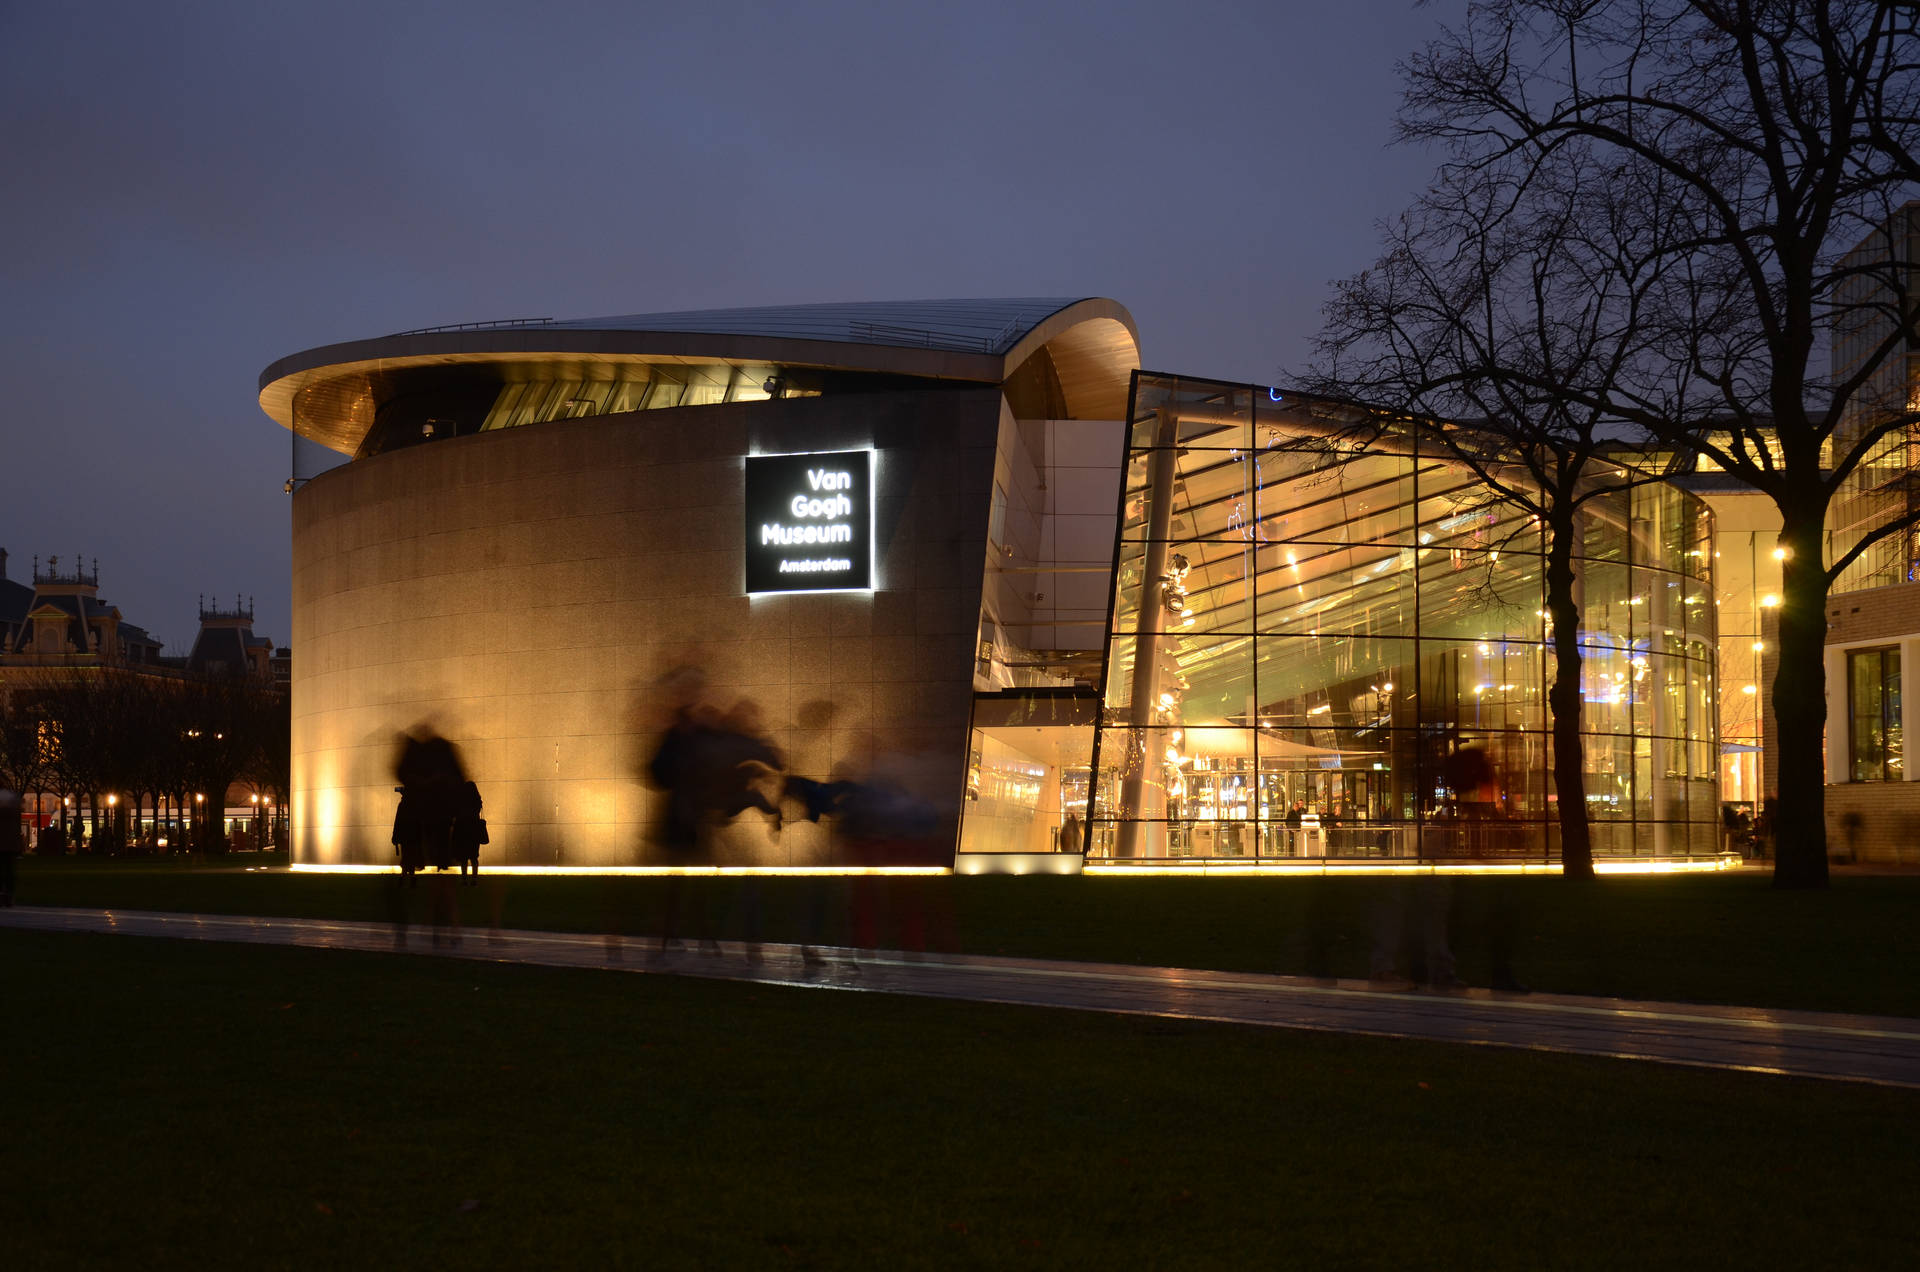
1331 643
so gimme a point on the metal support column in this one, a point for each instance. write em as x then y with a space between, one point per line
1150 622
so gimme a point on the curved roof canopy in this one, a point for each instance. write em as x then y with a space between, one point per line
330 393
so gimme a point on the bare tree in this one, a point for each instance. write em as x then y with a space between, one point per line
1787 129
1506 304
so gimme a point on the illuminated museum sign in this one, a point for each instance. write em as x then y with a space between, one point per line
810 522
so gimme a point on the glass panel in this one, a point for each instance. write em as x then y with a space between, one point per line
1319 589
1873 705
1478 685
1481 594
1890 724
1023 785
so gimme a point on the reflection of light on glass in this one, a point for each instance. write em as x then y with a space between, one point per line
1322 709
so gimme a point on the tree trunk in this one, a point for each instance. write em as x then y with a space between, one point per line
1563 700
1800 711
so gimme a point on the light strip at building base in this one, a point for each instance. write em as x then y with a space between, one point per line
1107 870
1222 869
638 871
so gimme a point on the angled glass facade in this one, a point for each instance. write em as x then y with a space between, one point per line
1319 650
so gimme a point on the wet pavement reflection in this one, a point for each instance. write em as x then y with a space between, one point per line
1884 1050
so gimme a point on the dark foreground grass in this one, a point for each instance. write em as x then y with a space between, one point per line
1702 938
190 1105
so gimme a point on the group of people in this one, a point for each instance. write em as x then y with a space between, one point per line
712 766
438 824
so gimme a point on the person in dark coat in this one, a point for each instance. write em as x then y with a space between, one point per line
409 836
469 832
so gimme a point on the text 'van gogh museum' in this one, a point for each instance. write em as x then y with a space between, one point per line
956 585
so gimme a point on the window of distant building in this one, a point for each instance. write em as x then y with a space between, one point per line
1873 714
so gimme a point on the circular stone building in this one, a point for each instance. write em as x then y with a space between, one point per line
543 520
983 593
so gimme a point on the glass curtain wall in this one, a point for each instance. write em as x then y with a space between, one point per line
1323 648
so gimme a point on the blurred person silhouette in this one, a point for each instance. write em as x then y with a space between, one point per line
748 773
1474 795
431 777
744 762
885 824
682 767
1410 939
1763 828
1070 837
12 843
469 832
409 841
820 801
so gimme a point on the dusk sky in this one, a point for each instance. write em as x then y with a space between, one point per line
194 191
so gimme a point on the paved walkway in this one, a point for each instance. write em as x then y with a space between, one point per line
1877 1049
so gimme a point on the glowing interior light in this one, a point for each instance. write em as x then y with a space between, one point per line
1759 645
1779 554
1750 689
1769 601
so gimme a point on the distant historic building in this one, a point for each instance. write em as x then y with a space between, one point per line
226 645
60 621
62 617
56 635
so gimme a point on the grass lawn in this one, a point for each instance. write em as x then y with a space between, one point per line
197 1105
1726 938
